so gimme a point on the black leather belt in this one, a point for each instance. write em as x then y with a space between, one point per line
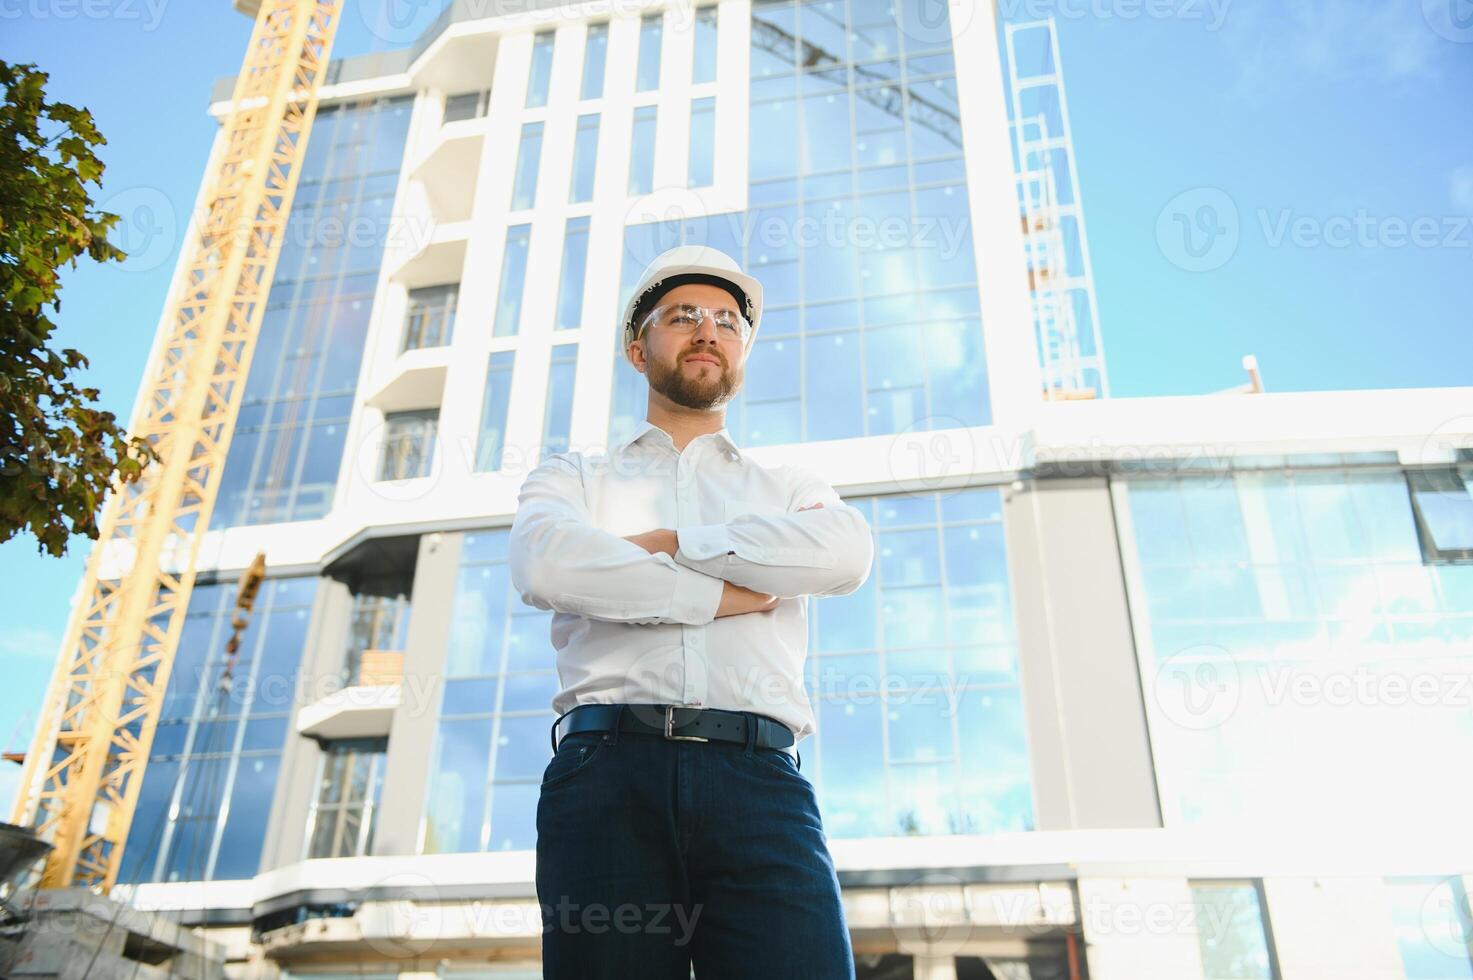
677 722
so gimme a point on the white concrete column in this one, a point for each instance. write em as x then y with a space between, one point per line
935 967
1140 929
1332 927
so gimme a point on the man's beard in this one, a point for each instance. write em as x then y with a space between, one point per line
694 390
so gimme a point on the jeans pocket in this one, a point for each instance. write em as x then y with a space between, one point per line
776 759
574 755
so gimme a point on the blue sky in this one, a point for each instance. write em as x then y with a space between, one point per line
1291 180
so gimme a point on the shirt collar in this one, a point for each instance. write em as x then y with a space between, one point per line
643 432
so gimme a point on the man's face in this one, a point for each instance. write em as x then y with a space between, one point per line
699 370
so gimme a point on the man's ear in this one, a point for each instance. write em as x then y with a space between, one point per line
636 355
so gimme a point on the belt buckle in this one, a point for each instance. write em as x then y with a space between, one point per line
670 720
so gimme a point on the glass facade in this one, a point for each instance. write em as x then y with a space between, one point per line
495 712
585 159
642 151
651 35
408 449
1291 626
287 446
858 226
703 66
211 776
1230 931
913 679
430 319
557 417
494 411
529 156
349 787
379 622
702 142
1433 926
595 57
540 75
466 105
570 279
513 281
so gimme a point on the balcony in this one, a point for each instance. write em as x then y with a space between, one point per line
363 709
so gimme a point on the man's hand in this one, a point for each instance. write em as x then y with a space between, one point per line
656 541
736 600
811 506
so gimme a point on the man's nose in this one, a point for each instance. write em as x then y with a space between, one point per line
706 330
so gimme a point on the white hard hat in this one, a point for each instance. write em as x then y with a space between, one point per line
692 263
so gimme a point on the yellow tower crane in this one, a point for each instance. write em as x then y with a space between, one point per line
85 768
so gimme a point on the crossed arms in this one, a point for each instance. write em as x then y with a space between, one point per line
691 575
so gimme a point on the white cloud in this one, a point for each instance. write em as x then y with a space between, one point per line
1461 187
1331 41
29 642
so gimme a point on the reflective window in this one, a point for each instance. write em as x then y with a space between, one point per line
349 784
287 446
1287 621
595 56
585 159
914 678
642 151
858 225
513 281
541 72
378 632
1431 919
466 105
703 68
494 411
529 155
1230 931
492 742
570 281
1444 509
702 142
408 448
557 419
217 749
430 318
650 34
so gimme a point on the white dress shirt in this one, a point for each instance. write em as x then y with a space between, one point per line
635 627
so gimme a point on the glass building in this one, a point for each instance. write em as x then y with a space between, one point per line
1136 687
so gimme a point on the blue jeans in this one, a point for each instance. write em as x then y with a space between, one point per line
655 855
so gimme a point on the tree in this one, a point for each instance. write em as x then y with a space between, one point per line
57 455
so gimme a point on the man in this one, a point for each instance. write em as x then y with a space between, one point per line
674 826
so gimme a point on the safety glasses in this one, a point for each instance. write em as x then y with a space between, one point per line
685 318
